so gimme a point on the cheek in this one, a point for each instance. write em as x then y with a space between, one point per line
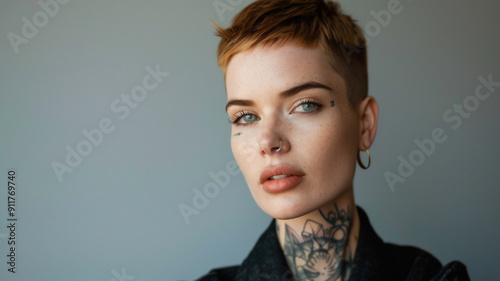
329 148
237 147
245 151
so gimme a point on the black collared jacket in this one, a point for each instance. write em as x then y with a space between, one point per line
374 260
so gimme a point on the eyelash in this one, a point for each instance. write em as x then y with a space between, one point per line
238 116
309 101
234 120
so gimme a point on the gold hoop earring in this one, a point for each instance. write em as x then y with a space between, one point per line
361 163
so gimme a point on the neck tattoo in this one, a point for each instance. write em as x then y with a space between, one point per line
318 252
332 103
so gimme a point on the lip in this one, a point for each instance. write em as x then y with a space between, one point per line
280 185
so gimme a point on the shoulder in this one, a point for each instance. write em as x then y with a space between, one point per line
417 264
412 262
221 274
378 260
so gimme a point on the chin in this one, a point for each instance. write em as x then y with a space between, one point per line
293 205
285 210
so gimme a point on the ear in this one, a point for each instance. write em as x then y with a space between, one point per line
368 117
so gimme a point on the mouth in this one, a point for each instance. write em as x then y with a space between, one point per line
280 178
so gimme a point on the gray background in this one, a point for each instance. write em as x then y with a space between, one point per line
119 209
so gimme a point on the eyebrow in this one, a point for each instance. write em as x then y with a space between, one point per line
285 94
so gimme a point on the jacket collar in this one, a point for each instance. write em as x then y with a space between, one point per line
266 261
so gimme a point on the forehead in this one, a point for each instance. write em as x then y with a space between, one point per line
274 69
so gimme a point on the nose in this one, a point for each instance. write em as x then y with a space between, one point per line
272 138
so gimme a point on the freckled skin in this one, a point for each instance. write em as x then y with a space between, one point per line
323 145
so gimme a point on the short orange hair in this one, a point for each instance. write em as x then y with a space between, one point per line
306 23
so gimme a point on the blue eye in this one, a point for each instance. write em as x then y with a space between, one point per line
244 118
306 107
249 118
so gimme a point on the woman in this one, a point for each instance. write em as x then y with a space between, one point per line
297 89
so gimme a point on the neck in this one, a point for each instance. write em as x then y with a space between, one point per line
321 245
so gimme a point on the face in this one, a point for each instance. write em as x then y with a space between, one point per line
290 97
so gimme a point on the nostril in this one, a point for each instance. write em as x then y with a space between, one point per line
276 148
279 149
